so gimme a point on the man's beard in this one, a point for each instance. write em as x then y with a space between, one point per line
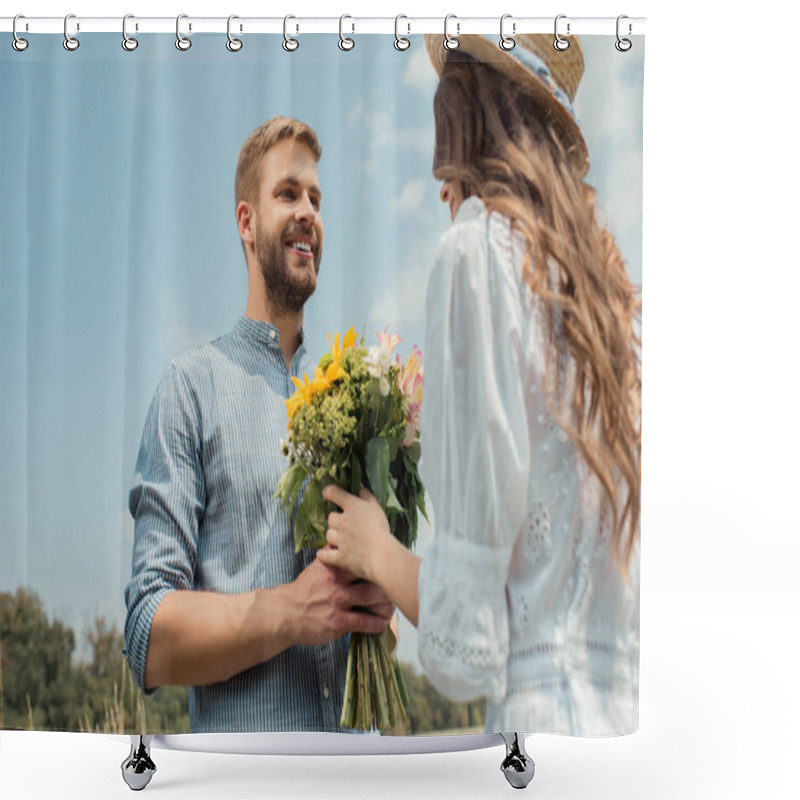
286 290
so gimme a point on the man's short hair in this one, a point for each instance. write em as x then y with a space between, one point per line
248 176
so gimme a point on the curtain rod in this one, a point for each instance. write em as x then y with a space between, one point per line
457 26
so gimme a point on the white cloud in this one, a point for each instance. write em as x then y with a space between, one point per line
356 113
388 130
402 305
411 197
386 134
609 109
420 73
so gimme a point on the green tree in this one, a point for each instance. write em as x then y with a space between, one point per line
41 688
36 659
429 711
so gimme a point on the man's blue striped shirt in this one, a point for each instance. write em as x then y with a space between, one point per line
205 518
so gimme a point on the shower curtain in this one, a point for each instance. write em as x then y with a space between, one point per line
124 275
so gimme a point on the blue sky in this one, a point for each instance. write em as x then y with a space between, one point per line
118 249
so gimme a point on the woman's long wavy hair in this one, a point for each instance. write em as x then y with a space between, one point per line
494 140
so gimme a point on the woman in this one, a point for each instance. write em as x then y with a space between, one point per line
529 593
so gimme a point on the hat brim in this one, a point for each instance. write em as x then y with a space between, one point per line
481 49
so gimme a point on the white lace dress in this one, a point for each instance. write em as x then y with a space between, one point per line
520 598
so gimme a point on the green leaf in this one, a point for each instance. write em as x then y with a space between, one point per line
362 433
378 468
413 452
290 484
416 490
421 504
392 503
395 440
412 528
311 521
301 537
355 478
316 516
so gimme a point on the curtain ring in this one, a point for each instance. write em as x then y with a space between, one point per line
289 44
19 44
450 42
70 42
128 42
559 43
181 42
507 42
623 45
233 44
345 42
400 42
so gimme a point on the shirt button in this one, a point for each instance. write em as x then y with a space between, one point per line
325 692
272 335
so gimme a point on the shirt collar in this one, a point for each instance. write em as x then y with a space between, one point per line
264 332
469 209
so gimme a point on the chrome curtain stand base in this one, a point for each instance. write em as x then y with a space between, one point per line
517 766
138 768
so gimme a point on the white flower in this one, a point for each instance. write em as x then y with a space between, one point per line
379 360
374 362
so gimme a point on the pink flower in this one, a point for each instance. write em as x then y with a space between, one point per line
388 343
412 424
411 379
410 376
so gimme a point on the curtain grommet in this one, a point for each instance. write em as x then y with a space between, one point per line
345 42
129 43
507 42
451 42
70 43
183 43
233 44
559 42
289 44
400 42
18 43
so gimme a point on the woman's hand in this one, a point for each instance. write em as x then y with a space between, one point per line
359 537
360 541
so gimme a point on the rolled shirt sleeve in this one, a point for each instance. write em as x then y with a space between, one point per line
166 500
476 462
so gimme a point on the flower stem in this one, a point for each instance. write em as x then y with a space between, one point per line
348 718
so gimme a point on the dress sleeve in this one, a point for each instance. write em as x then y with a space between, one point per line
476 463
167 501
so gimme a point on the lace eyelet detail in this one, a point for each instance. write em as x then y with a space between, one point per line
481 657
538 537
521 610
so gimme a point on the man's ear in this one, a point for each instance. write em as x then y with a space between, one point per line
245 219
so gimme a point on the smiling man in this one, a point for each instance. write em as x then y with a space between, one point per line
218 600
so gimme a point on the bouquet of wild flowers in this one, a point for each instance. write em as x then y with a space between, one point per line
356 422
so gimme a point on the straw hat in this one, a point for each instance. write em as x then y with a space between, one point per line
548 76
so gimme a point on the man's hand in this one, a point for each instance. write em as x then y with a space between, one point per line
327 602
